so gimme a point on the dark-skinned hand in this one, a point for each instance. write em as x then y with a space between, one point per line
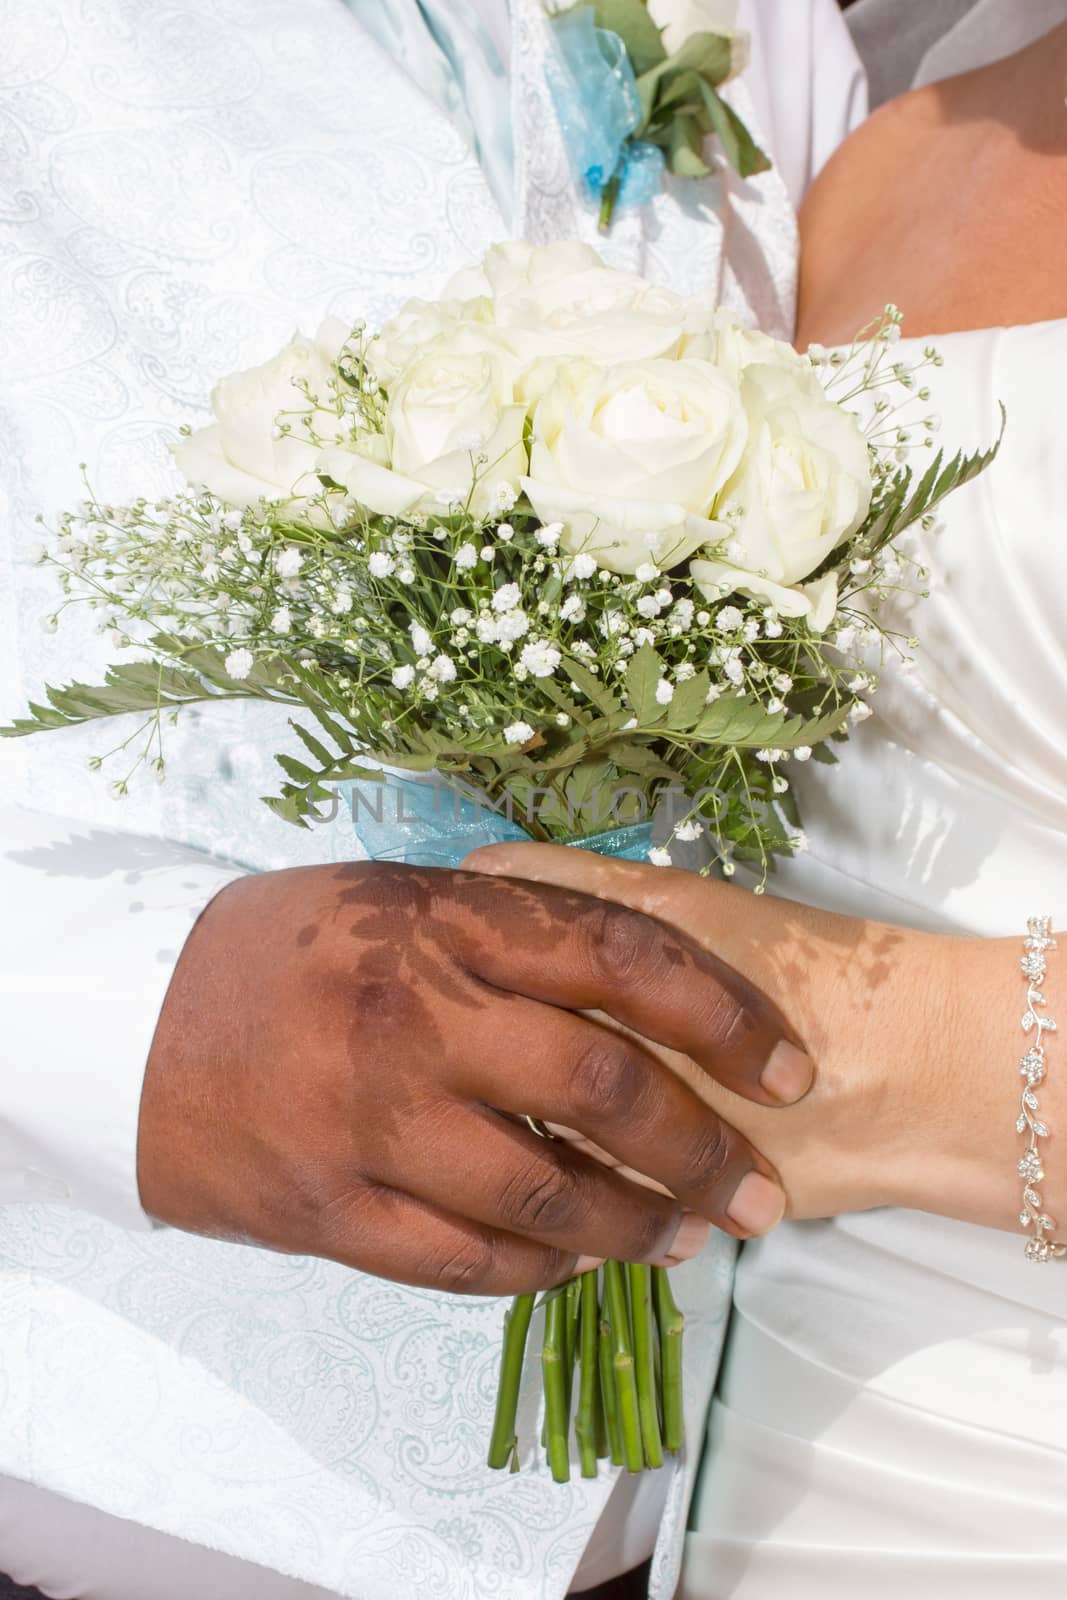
346 1055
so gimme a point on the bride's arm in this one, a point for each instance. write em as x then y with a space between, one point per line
916 1040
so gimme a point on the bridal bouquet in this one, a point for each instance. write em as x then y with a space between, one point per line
583 549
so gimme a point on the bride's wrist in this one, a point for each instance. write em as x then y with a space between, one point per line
960 1151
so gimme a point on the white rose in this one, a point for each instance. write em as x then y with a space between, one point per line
420 323
630 459
515 266
238 458
678 20
803 486
445 411
557 302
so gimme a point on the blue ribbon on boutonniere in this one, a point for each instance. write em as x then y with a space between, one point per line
630 111
594 89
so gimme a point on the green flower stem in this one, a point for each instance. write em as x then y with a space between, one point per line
671 1326
573 1300
600 1425
645 1362
608 196
553 1367
623 1364
609 1398
589 1388
503 1446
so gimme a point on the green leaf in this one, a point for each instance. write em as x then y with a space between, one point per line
897 510
642 675
137 686
684 150
703 60
687 706
592 687
631 21
739 147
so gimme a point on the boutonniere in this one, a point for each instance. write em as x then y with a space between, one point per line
636 88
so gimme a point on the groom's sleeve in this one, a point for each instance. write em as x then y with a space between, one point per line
92 924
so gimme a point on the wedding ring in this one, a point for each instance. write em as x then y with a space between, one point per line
539 1128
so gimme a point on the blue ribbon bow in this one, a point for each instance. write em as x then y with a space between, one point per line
592 83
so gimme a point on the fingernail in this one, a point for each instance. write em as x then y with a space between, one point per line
758 1204
689 1241
586 1264
788 1073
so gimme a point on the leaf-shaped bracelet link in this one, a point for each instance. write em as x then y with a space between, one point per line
1040 1246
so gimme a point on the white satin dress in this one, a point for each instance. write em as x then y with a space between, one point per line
892 1414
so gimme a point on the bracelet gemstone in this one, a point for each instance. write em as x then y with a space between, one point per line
1040 1246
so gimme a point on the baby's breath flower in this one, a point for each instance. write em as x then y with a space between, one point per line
288 562
802 752
512 625
583 565
465 557
729 619
573 609
659 857
460 617
380 564
443 669
689 830
540 658
518 733
239 663
548 536
421 642
507 597
505 533
647 572
664 692
403 677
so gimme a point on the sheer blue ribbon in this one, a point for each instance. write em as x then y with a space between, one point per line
594 90
425 822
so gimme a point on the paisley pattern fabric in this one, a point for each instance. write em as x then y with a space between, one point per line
179 186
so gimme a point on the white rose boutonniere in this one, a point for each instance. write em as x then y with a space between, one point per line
630 459
247 453
802 488
679 20
636 89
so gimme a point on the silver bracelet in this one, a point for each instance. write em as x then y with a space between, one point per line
1039 1246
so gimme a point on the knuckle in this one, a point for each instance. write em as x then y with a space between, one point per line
466 1267
385 1001
648 1228
620 942
544 1200
607 1081
730 1020
706 1161
554 1266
